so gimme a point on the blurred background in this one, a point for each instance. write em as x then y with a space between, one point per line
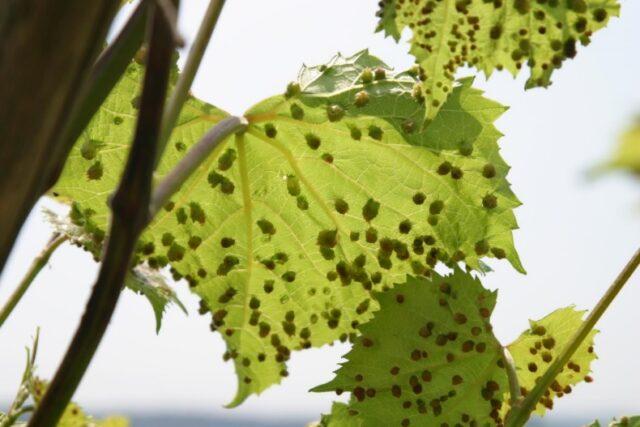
576 233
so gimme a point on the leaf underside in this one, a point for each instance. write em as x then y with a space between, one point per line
335 190
538 347
429 357
492 35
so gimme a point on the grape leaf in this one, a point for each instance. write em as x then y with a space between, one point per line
141 279
428 357
492 35
623 422
334 190
340 416
627 154
535 349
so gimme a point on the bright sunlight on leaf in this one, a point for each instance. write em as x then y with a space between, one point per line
335 190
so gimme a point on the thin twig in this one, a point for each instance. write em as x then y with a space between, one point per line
520 414
129 207
194 158
188 73
38 264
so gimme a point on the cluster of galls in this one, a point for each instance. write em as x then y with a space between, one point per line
410 390
543 348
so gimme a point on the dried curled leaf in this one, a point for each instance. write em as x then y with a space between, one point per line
333 191
428 357
492 35
141 279
150 283
538 347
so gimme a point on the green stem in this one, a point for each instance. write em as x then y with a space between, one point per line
520 414
188 73
38 264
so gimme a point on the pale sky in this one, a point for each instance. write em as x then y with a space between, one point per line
575 234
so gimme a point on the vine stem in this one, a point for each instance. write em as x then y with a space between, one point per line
520 414
188 73
38 264
194 158
129 206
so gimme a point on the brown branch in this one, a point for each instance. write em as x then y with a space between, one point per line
129 215
104 75
46 49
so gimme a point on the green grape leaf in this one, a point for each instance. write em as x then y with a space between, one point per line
536 348
626 156
623 422
492 35
141 279
73 415
418 360
334 190
428 357
340 416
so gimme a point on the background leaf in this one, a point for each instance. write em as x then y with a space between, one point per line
492 35
626 155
